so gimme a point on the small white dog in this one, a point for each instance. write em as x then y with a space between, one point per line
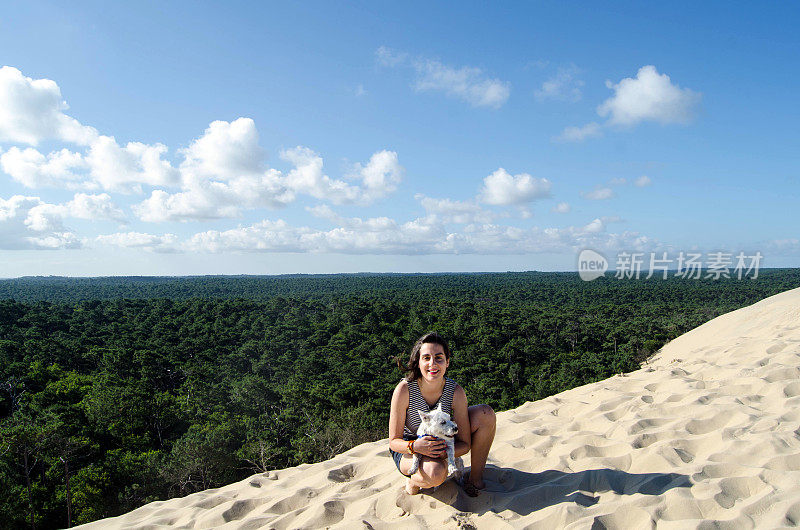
438 423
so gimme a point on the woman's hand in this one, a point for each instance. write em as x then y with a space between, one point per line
430 446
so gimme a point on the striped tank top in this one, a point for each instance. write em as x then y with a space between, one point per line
417 402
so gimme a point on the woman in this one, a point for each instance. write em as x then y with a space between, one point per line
423 388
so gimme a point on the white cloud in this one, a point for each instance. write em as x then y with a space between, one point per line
424 235
117 168
93 207
157 243
502 189
562 207
618 181
207 200
380 176
107 165
225 151
61 169
49 217
650 96
643 181
577 134
467 83
595 226
31 111
223 173
563 86
450 211
245 184
323 211
599 194
307 177
371 236
30 223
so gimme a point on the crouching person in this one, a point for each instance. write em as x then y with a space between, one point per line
424 389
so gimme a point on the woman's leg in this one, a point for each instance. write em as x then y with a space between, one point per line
482 423
432 472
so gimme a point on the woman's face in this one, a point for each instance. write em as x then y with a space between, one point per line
432 361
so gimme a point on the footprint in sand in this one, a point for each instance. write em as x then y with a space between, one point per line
239 509
775 348
782 374
343 474
792 389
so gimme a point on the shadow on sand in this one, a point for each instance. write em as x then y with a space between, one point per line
524 493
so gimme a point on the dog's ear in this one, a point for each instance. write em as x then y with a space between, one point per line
423 416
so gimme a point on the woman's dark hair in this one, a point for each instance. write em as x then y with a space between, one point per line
412 368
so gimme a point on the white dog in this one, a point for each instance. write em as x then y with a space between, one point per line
438 423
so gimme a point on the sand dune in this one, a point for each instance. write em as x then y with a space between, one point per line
705 435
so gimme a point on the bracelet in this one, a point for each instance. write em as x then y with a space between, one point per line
411 447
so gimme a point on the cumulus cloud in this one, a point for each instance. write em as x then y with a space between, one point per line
49 217
562 207
643 181
380 176
107 165
225 151
221 174
32 169
206 200
307 177
649 96
563 86
31 111
467 83
93 207
223 177
117 168
30 223
502 189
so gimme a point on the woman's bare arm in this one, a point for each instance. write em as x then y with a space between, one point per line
397 418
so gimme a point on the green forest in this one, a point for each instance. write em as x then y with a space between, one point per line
115 392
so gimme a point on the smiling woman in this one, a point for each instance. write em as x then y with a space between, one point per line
424 388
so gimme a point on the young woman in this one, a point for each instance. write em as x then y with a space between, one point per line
424 386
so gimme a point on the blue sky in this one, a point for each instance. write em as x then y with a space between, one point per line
177 138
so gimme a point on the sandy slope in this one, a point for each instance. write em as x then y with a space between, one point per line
706 435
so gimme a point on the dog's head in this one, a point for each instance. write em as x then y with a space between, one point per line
437 423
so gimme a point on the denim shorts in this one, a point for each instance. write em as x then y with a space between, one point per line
399 456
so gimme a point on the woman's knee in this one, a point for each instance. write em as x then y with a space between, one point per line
434 471
482 416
